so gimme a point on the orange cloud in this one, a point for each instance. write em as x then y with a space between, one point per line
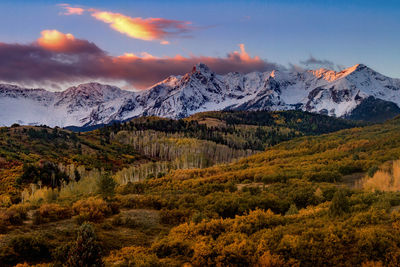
135 27
144 29
71 10
55 40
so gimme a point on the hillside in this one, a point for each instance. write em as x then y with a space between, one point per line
254 130
169 144
289 205
280 205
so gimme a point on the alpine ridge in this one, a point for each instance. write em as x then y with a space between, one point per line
323 91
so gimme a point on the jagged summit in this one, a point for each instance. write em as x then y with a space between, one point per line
331 75
89 95
321 91
92 89
200 67
357 67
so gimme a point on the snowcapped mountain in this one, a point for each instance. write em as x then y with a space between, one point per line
356 92
90 103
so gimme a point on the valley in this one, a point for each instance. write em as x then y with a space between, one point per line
242 188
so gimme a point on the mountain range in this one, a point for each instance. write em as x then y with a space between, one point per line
357 92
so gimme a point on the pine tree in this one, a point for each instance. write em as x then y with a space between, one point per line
106 186
86 251
339 204
292 210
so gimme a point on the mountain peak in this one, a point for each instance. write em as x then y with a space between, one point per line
360 66
331 75
357 67
92 88
328 75
200 67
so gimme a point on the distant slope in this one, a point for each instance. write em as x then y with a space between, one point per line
374 110
306 122
253 130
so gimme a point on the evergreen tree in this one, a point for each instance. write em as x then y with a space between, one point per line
86 251
292 210
106 186
339 204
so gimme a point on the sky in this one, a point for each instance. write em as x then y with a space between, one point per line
135 44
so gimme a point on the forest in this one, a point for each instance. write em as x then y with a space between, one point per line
215 189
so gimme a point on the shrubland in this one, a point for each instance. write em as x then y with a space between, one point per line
294 204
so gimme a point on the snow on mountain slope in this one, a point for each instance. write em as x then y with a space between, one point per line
90 103
81 105
338 93
322 91
203 90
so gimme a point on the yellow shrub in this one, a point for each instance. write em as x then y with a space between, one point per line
91 209
384 180
14 215
132 256
5 201
52 212
270 260
372 264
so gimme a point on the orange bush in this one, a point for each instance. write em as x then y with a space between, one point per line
270 260
91 209
174 217
52 212
132 256
13 215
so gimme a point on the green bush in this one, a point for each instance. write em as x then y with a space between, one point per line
125 221
60 254
132 188
25 248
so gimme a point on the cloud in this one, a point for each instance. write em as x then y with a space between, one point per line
71 10
144 29
146 69
313 62
53 40
296 68
148 29
58 58
53 58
